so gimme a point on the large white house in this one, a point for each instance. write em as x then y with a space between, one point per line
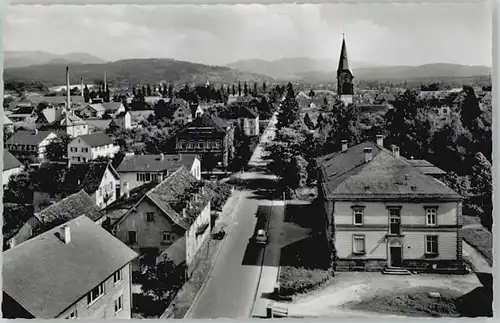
136 170
89 147
29 146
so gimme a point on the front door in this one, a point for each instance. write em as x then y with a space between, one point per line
396 258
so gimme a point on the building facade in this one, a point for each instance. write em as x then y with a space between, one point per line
29 146
210 137
85 148
382 211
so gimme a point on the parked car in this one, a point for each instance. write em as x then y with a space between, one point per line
261 237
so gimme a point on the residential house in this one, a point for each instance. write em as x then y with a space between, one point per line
29 146
11 166
75 270
177 207
135 170
181 112
122 121
74 126
208 136
95 111
57 119
53 215
55 101
89 147
113 108
248 121
382 211
98 179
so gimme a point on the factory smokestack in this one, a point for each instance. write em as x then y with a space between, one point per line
81 87
67 90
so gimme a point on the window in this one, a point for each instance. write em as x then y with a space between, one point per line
71 315
117 276
218 143
431 216
431 245
132 237
95 294
85 150
358 215
201 144
395 221
166 236
150 216
208 144
119 304
358 242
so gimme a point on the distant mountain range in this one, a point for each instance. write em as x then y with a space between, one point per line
131 71
324 71
27 58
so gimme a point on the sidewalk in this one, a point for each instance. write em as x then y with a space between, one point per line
268 279
478 261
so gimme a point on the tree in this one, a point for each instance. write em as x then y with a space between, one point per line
134 91
161 109
254 89
296 173
264 87
208 162
239 88
482 187
287 144
308 122
18 189
312 94
86 94
245 91
233 90
163 279
290 112
170 90
57 150
148 90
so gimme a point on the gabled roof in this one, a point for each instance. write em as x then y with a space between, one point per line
96 139
347 175
426 167
68 209
96 106
28 137
166 193
176 252
71 120
6 120
9 161
155 163
246 112
45 275
111 106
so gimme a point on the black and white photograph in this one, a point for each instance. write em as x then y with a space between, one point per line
248 161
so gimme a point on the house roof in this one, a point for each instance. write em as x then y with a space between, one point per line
100 124
111 106
155 163
71 119
97 107
45 275
167 192
246 112
205 123
6 120
28 137
69 208
426 167
347 175
55 99
96 139
135 195
9 161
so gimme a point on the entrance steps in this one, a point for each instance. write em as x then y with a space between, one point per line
395 271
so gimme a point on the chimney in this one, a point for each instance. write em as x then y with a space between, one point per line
35 132
368 154
180 156
105 80
161 156
126 190
68 96
65 234
69 163
380 140
344 145
395 151
407 178
184 212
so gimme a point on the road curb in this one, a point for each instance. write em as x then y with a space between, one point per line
214 262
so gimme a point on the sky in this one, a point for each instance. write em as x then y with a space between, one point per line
379 34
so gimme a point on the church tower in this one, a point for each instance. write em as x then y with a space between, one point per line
345 86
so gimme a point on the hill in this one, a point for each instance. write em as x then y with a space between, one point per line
291 68
323 71
28 58
131 71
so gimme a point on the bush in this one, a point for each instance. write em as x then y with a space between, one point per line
222 191
300 280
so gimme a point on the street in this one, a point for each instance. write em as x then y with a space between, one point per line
232 287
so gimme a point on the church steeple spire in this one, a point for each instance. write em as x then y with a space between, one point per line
343 61
345 86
